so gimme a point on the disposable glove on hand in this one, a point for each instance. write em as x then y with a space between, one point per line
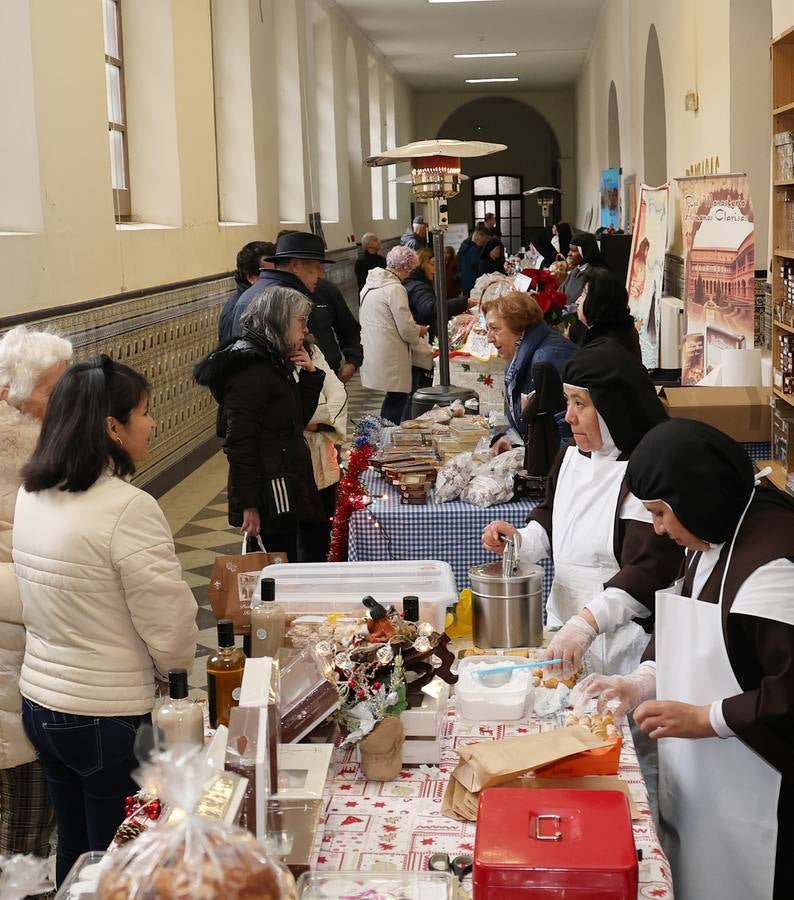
570 644
628 690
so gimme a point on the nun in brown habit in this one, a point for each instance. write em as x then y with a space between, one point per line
723 675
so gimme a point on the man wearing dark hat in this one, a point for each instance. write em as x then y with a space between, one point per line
298 263
415 237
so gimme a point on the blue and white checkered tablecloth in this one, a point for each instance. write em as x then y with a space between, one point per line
452 532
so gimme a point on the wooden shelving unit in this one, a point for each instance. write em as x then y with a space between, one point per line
782 227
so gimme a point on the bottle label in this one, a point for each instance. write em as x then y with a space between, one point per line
213 704
236 695
261 633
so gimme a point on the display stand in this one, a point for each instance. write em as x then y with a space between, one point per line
782 234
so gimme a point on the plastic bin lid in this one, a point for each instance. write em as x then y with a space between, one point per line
430 579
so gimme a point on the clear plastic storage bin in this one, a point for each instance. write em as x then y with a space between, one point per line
319 588
367 885
82 880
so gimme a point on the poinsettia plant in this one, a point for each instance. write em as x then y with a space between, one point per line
545 289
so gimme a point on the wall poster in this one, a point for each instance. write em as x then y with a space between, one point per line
646 268
719 266
610 198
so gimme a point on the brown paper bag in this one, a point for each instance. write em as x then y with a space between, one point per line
490 763
223 592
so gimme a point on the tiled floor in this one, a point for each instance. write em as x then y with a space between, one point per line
196 511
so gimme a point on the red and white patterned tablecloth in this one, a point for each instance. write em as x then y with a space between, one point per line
398 824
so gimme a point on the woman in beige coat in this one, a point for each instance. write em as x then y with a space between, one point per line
30 364
106 611
393 342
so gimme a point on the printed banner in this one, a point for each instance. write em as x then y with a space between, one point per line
719 267
610 198
646 268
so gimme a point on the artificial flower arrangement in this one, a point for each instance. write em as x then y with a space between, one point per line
366 702
552 301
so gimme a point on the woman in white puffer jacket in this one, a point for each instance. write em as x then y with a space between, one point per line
30 364
105 608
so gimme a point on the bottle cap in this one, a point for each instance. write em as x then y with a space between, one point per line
177 684
225 633
376 611
411 608
268 590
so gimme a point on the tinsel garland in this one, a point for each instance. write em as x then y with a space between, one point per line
351 494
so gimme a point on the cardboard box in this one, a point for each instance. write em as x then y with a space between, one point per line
743 413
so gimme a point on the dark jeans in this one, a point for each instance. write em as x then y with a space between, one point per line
87 761
314 538
393 406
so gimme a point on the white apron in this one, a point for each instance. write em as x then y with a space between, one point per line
583 536
717 798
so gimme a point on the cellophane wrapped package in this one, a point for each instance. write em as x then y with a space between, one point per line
191 857
23 876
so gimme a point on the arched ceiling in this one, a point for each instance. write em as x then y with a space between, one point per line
419 39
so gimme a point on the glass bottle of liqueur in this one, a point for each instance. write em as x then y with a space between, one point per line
268 622
224 675
180 719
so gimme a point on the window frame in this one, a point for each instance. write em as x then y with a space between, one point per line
495 199
121 196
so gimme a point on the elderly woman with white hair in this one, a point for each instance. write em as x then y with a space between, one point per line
394 345
269 386
31 362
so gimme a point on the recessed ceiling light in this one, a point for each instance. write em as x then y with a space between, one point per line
487 80
482 55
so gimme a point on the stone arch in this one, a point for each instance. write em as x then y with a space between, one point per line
654 117
613 129
533 150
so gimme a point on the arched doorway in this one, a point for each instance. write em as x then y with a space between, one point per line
532 155
654 117
613 129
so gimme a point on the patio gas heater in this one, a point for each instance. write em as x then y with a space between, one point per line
435 177
545 197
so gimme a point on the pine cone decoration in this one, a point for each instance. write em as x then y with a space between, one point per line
127 832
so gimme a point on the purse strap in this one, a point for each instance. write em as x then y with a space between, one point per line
245 544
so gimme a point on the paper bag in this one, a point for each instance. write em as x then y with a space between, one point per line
490 763
223 592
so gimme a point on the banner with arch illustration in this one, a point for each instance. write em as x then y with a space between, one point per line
646 268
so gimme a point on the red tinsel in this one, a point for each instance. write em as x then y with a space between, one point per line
349 498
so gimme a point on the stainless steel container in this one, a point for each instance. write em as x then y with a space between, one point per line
508 609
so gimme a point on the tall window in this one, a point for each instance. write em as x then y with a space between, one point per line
391 141
375 139
117 116
501 195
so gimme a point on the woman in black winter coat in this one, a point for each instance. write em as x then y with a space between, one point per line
422 294
492 258
269 387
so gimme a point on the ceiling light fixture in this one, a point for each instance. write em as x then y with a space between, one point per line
483 55
489 80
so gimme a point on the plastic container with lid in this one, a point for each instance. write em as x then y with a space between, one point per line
501 697
320 588
83 877
365 885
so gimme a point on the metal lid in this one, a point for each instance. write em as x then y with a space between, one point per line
493 572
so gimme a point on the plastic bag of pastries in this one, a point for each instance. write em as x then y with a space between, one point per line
188 856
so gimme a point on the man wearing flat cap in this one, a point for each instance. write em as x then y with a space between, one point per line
415 237
298 261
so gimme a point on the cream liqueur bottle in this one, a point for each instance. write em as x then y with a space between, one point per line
179 718
268 622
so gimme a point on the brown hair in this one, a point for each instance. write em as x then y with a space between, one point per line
519 310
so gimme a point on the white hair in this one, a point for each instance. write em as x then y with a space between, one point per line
25 356
367 239
401 257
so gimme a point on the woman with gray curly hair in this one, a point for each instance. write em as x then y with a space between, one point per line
269 386
393 343
31 362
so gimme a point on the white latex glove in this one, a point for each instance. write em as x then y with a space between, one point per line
628 690
570 644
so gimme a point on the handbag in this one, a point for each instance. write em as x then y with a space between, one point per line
223 592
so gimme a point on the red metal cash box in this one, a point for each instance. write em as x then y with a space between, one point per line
576 845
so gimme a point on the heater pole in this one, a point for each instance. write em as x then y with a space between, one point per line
441 308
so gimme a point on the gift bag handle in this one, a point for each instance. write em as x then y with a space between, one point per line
245 544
